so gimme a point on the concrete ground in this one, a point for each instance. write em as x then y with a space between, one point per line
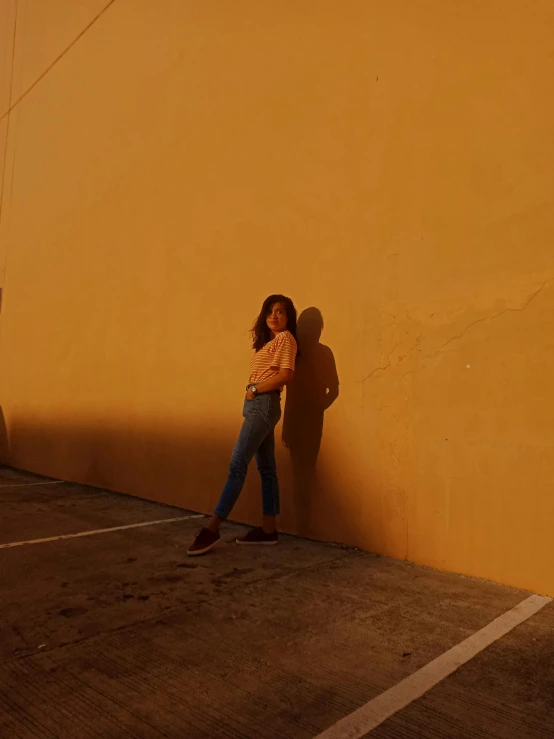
118 635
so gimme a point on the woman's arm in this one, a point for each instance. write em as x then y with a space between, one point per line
272 383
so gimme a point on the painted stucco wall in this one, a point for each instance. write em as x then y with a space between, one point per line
388 164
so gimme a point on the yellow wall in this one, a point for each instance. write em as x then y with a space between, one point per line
391 164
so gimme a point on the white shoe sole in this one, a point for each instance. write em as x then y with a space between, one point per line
199 552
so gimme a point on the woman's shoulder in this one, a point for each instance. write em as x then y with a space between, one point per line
285 337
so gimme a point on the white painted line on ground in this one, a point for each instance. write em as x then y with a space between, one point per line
365 719
97 531
30 484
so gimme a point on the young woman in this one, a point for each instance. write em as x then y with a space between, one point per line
272 367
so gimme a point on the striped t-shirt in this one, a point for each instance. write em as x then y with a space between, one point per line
277 354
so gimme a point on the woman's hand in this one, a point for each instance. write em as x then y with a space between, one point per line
250 395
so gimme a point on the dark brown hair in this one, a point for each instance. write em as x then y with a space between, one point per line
261 333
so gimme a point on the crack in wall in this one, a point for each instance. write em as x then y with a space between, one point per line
56 60
401 359
488 318
386 365
452 339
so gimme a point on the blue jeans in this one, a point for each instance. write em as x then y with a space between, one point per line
256 438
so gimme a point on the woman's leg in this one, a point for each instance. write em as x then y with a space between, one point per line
265 460
254 430
214 523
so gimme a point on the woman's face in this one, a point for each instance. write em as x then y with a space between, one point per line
277 318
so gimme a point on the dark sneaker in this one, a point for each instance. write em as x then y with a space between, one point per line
258 536
205 540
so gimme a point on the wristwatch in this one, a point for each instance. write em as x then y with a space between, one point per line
254 389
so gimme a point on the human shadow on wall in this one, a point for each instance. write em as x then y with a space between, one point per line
314 389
